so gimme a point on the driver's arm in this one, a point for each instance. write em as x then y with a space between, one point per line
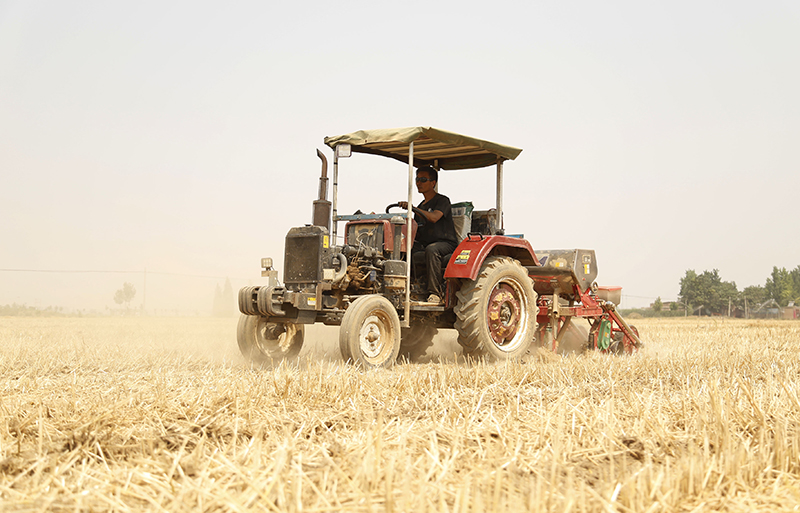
431 217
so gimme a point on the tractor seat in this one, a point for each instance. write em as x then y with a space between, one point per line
462 218
484 222
468 220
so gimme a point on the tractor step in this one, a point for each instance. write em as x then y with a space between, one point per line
423 306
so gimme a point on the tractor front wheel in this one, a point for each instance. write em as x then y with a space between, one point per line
496 313
370 332
264 342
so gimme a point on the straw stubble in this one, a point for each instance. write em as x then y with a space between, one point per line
162 414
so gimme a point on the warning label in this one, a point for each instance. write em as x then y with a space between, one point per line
463 257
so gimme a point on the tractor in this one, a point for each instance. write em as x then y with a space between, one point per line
501 297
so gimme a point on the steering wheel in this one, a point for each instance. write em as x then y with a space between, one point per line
421 222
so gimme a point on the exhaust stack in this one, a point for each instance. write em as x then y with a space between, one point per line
322 207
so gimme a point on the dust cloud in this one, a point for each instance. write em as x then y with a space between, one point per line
137 341
322 342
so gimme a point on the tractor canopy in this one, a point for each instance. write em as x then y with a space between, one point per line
432 146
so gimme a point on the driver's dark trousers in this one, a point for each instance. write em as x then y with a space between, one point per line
427 262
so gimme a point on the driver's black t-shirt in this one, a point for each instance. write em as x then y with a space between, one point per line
444 229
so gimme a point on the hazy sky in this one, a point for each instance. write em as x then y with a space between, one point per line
180 137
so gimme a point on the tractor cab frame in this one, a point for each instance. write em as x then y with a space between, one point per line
417 147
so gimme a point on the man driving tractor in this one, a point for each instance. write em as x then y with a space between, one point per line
499 296
436 233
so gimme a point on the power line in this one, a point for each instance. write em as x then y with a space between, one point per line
85 271
64 271
195 275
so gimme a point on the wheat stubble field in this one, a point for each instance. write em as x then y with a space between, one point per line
162 414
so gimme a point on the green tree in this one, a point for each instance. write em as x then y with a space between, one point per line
219 309
228 307
125 294
707 290
780 286
795 277
658 304
754 294
690 292
729 297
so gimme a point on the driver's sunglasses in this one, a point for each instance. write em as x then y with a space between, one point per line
423 179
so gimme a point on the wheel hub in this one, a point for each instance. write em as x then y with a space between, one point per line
274 340
273 337
503 313
370 337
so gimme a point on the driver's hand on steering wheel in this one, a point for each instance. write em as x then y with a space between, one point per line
403 204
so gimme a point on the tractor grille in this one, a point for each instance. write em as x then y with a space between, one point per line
305 252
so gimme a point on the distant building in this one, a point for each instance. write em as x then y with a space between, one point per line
768 310
791 311
665 305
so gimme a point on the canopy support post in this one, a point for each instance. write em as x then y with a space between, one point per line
406 322
335 217
500 196
436 167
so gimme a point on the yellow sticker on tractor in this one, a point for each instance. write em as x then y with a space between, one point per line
312 301
463 257
325 242
585 268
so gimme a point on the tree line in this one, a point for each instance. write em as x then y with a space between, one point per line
707 293
224 303
16 310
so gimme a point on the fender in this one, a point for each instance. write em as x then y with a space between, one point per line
468 257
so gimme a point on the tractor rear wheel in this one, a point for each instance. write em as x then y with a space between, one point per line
370 332
262 342
496 313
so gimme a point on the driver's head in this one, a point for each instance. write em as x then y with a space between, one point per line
426 178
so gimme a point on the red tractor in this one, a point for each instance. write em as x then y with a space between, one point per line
501 296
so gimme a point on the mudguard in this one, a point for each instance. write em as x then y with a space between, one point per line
469 255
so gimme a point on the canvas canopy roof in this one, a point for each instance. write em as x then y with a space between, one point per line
452 150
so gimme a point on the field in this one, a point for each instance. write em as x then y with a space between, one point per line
162 414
